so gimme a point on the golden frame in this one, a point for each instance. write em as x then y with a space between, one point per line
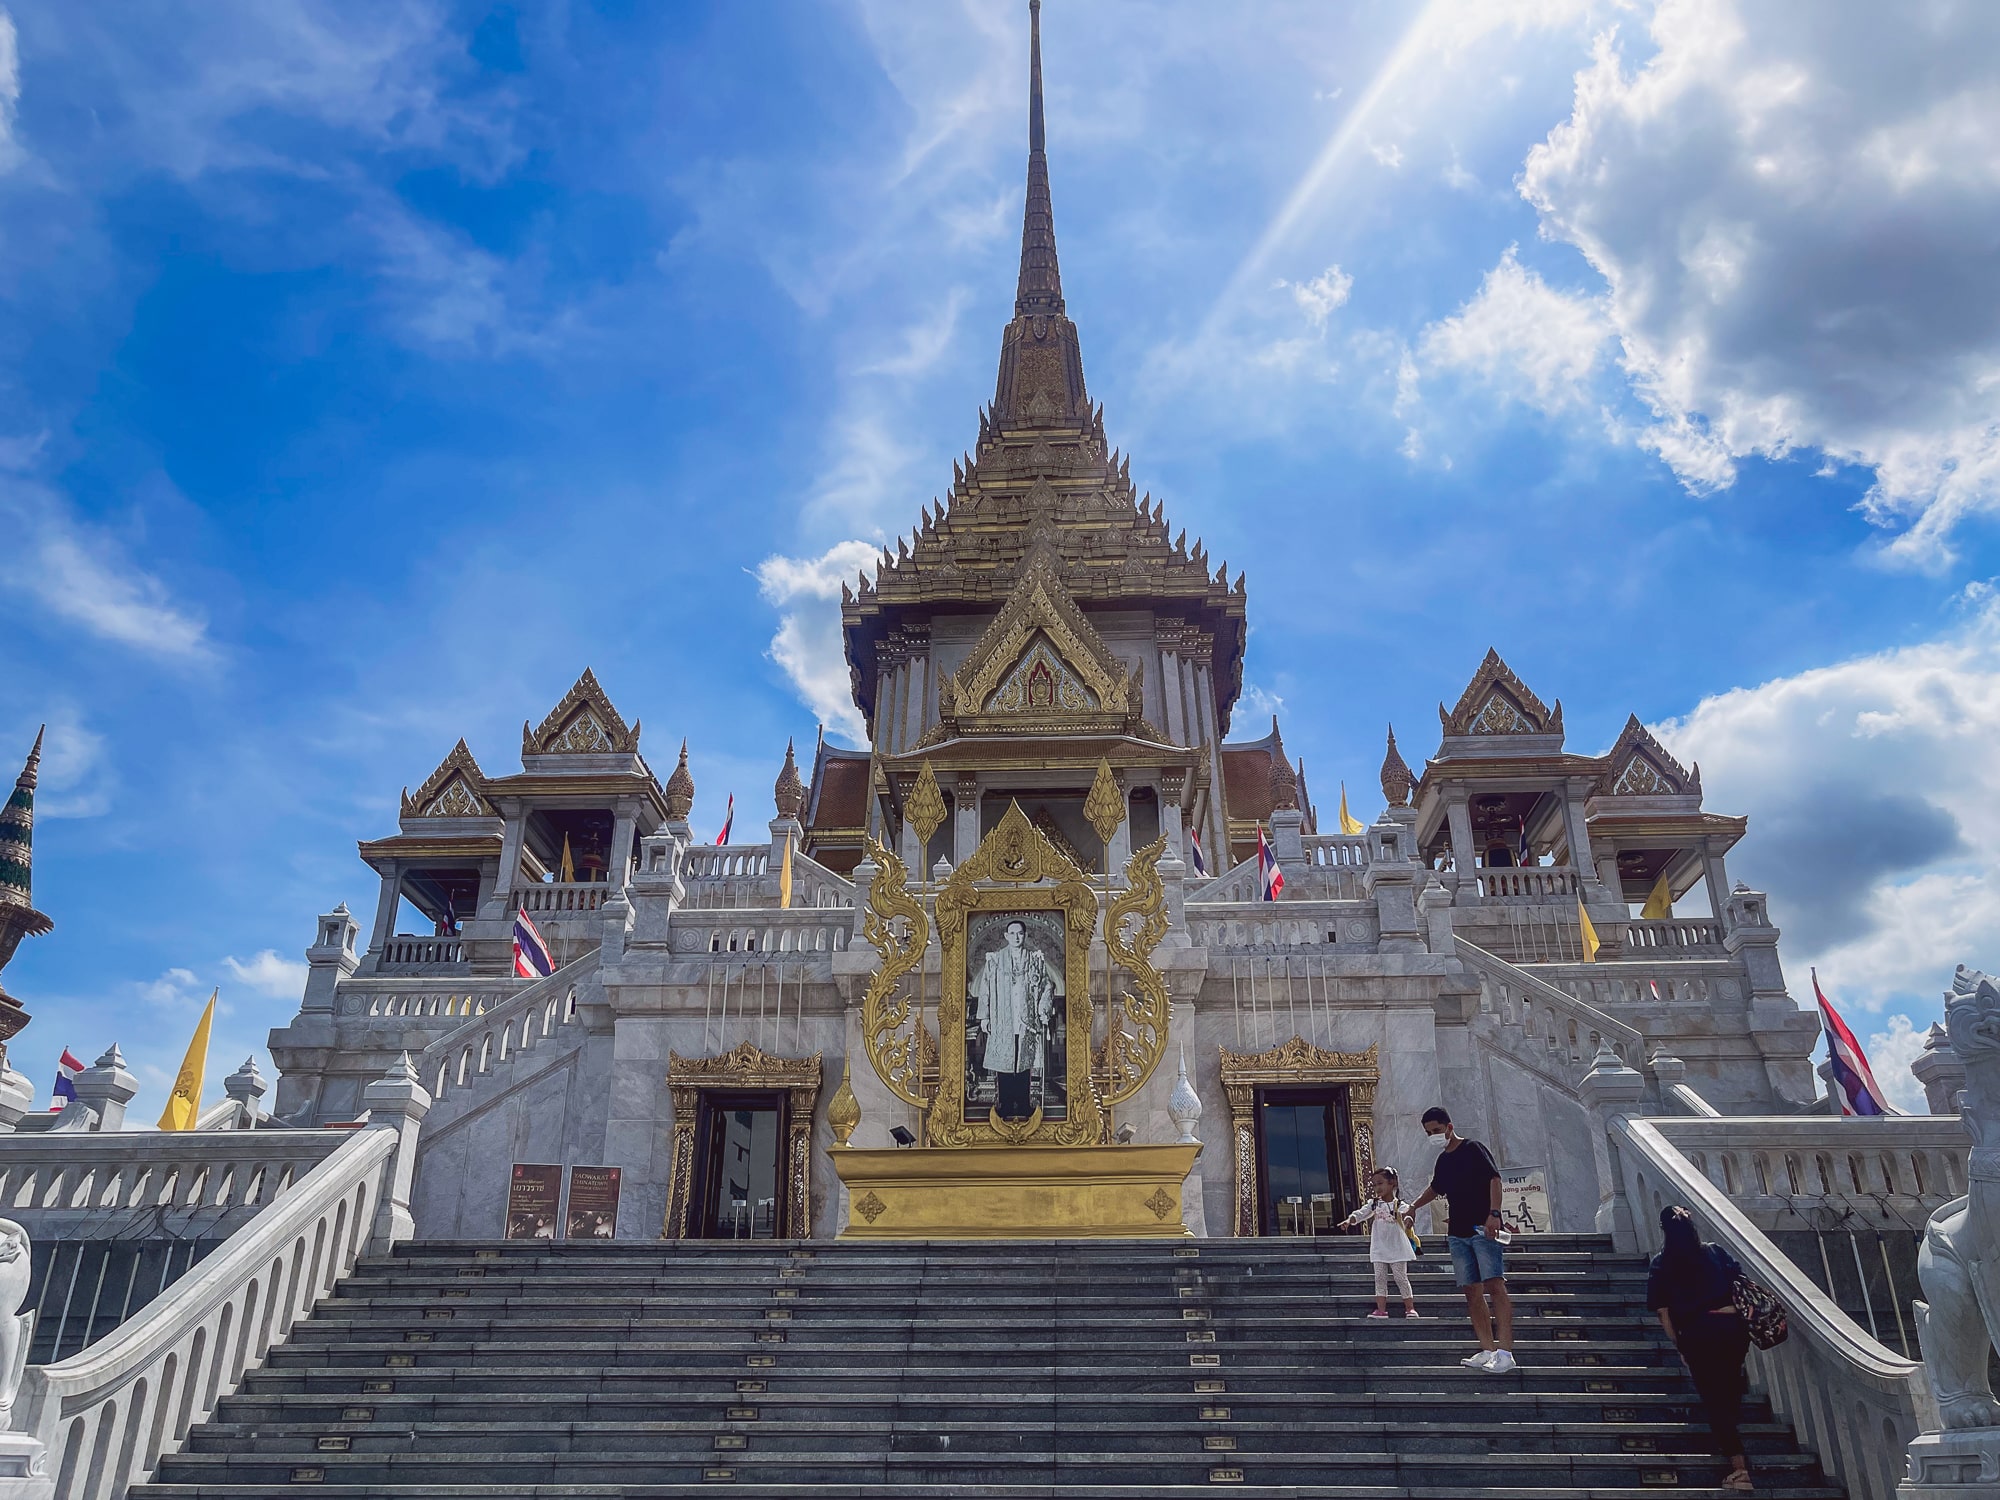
748 1067
1017 858
1296 1061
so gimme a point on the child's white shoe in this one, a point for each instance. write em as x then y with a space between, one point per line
1411 1313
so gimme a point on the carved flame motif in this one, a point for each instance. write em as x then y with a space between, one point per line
1135 1036
926 807
897 1046
1640 779
1498 716
583 735
1041 684
455 801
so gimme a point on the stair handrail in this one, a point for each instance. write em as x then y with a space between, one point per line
106 1415
433 1063
1626 1040
1855 1403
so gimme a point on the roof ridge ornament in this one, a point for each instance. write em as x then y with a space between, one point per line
584 723
456 789
1496 701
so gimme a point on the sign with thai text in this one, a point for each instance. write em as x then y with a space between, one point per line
534 1202
593 1203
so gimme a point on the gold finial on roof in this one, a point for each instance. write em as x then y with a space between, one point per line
789 792
1396 777
680 789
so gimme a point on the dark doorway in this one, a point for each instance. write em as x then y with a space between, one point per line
1305 1160
738 1143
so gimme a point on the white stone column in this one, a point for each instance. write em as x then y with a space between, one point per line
1716 878
510 866
618 867
1610 1091
1464 859
385 909
396 1101
965 819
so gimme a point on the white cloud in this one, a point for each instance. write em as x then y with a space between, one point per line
175 989
1791 207
1522 336
1261 701
1321 296
1890 1054
1874 798
82 576
806 591
924 342
10 91
1387 153
75 781
268 974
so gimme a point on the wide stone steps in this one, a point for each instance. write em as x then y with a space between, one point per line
1092 1369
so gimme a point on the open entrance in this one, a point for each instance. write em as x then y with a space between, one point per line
1305 1159
739 1192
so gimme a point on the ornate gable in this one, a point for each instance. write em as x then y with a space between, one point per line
456 789
1041 665
1641 767
584 723
1497 702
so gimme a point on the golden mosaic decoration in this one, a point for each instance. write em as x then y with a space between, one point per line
1136 1032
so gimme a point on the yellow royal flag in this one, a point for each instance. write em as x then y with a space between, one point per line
1589 934
1349 824
1660 904
184 1104
568 873
785 878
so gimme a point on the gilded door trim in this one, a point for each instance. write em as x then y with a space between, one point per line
745 1067
1297 1061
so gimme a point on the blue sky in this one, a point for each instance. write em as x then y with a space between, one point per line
369 370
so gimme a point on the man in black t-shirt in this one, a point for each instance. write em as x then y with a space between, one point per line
1470 1185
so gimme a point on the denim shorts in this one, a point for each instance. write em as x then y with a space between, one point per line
1476 1258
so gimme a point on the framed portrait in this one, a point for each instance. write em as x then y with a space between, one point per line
1014 1015
1017 1043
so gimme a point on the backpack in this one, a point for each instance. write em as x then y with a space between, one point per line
1762 1313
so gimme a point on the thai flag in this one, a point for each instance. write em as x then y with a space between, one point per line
728 822
1194 846
531 954
64 1092
1269 876
1853 1080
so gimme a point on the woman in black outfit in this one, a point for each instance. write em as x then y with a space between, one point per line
1689 1288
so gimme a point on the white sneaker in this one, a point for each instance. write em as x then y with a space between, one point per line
1500 1362
1480 1360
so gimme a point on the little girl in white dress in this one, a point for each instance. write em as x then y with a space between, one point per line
1389 1247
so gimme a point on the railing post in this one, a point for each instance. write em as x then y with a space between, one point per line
397 1101
1609 1090
107 1087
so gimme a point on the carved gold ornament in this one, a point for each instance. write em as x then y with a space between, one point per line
889 1027
843 1110
926 808
1294 1062
1135 1037
1105 806
746 1066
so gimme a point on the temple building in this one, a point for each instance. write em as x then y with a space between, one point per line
1042 628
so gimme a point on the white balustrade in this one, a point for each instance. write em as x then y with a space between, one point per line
1544 1026
1856 1404
768 931
563 897
369 1000
457 1060
1337 850
107 1415
405 953
1528 883
1673 935
1249 924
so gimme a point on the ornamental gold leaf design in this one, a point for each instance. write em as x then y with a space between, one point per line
455 801
1641 779
583 735
896 927
926 807
1105 806
1498 716
1135 1035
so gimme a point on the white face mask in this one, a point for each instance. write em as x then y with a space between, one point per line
1434 1143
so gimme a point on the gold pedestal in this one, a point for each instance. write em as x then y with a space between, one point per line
1014 1192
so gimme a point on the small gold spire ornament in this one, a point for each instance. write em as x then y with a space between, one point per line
926 809
843 1110
1105 806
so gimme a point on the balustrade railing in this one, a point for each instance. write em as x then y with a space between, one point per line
1544 1026
107 1415
1856 1404
562 897
1528 883
406 954
751 930
1647 982
1284 924
723 861
1673 935
422 1003
1243 883
457 1060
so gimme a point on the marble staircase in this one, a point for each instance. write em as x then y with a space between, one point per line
1077 1368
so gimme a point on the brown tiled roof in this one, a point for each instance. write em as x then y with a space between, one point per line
1246 781
840 791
